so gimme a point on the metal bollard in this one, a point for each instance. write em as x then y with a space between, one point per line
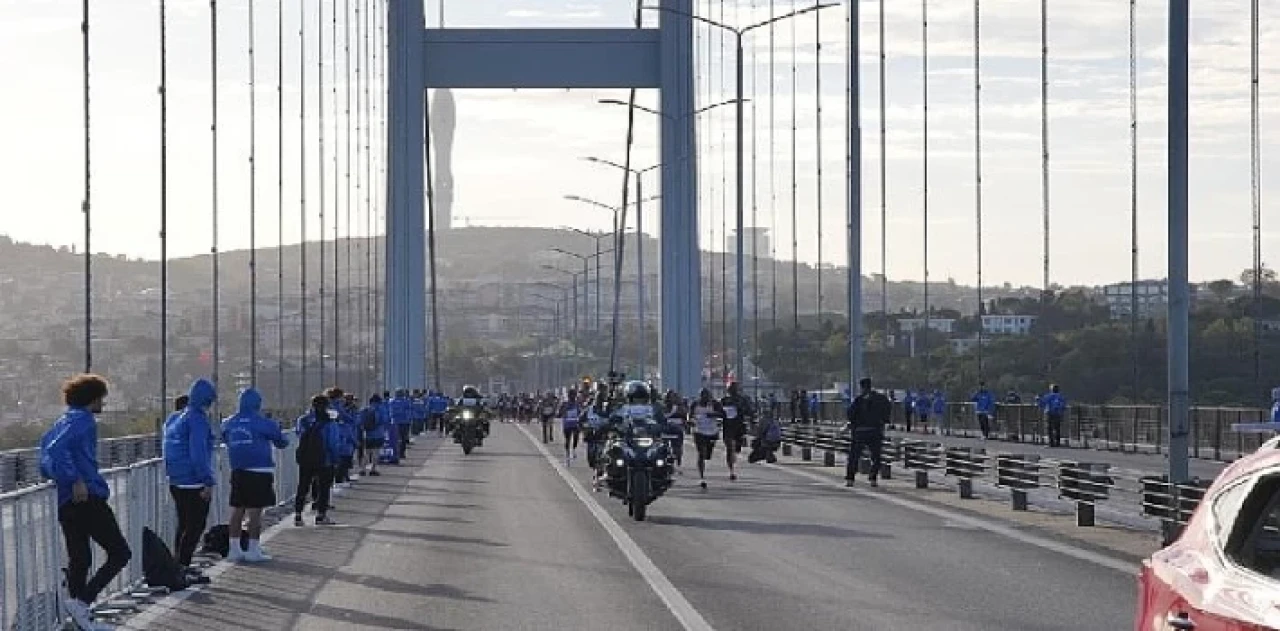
806 453
786 449
966 488
886 472
1019 499
922 478
829 458
1084 513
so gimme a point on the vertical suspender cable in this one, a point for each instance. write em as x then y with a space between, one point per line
337 217
755 208
280 317
773 178
1255 171
320 167
1133 198
724 207
378 278
1044 173
86 203
353 313
817 103
213 132
884 192
977 162
164 204
337 311
924 78
253 199
795 223
302 183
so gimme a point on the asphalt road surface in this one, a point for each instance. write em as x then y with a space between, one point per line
508 539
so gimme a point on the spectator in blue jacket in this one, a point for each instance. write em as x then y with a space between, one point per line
402 417
984 405
924 407
437 407
940 412
909 408
188 460
69 457
349 434
250 437
1054 406
319 451
374 424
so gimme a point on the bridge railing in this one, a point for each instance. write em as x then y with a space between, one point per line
32 554
1132 428
21 467
1128 496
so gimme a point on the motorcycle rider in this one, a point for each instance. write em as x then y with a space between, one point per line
472 399
737 410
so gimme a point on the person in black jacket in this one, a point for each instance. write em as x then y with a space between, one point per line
868 414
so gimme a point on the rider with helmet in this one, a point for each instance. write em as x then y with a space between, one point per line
471 399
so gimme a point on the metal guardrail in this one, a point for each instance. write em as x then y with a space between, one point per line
1130 428
32 554
21 467
1027 478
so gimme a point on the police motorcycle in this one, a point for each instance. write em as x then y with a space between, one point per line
470 420
637 462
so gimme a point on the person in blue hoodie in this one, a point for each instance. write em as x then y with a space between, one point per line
69 457
923 407
188 461
348 434
374 424
437 406
249 437
319 450
940 412
402 416
1054 406
984 405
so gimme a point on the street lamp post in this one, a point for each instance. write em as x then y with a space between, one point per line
739 33
574 277
596 238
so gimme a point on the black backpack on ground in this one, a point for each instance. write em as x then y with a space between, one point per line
311 447
159 568
218 541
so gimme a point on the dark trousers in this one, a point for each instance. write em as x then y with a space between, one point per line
91 520
317 481
873 441
404 430
342 473
984 424
193 515
1055 429
911 416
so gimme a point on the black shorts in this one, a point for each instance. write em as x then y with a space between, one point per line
251 489
705 444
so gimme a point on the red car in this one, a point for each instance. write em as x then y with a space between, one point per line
1223 572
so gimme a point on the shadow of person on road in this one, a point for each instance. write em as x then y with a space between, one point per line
765 528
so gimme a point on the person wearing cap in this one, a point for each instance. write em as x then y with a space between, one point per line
867 415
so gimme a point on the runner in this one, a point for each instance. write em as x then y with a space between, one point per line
736 409
546 411
706 413
570 411
677 415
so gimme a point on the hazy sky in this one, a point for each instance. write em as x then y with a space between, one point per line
518 152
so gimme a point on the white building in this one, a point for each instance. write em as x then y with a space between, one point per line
1153 298
941 325
1007 324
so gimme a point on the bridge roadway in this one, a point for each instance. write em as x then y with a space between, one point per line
508 539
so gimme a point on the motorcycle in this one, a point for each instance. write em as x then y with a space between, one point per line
468 430
638 470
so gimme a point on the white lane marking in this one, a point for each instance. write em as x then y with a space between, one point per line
955 518
676 603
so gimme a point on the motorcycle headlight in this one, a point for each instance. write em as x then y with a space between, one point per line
660 462
644 443
468 415
620 462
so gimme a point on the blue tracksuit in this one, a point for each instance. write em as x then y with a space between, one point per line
332 437
189 440
69 452
250 436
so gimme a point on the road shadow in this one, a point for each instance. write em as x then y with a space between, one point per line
765 528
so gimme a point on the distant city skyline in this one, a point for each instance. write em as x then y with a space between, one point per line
517 154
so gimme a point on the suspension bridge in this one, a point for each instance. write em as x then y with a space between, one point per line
275 194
